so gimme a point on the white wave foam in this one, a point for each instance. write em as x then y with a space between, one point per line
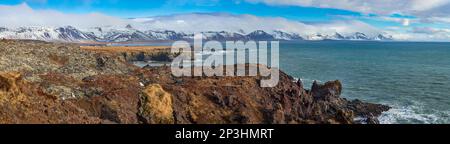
207 53
307 81
409 114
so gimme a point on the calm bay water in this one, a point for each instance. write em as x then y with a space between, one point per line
413 78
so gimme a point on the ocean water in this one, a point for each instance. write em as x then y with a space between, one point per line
413 78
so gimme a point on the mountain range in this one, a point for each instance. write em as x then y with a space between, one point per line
130 34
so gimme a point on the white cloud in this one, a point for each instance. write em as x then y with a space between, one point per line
425 5
430 30
200 22
384 7
23 15
402 21
420 11
436 20
406 22
420 34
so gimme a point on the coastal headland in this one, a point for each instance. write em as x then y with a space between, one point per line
43 82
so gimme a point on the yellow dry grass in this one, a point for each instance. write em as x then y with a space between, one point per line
9 89
115 49
157 105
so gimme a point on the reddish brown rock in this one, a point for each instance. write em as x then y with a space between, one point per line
77 86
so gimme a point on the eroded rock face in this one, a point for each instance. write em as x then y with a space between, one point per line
60 83
24 103
162 55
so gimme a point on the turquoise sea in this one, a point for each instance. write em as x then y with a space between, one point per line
412 77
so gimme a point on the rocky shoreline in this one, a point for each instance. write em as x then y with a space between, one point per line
43 82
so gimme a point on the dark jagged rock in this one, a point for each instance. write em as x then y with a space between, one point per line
367 111
328 91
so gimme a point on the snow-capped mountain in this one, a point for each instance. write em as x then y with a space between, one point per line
286 36
130 34
222 35
260 35
68 33
358 36
381 37
355 36
164 35
2 29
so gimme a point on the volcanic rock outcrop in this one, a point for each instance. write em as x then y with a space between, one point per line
44 82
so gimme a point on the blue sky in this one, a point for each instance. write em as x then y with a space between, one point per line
401 16
145 8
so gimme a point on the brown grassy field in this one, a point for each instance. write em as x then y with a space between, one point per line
115 49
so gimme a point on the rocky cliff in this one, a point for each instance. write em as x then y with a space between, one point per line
44 82
136 53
